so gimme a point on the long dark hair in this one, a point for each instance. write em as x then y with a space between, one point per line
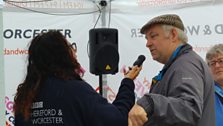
50 54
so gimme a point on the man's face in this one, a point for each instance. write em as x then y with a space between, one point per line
216 66
159 44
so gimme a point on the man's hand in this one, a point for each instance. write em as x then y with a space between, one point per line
137 116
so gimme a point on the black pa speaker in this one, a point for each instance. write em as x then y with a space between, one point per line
103 48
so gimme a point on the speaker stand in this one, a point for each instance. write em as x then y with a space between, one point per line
102 84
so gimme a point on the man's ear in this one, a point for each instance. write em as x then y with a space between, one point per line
174 34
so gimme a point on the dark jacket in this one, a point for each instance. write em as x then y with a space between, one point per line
76 103
185 94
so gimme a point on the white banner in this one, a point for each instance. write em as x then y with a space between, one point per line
22 28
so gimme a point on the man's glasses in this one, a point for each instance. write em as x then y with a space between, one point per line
73 45
213 63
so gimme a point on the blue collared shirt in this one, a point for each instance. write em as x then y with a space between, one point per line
219 104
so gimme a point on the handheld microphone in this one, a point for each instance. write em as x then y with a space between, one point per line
139 61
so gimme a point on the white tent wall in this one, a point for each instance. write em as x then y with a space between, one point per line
2 88
202 19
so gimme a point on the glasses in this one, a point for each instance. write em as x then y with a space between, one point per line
213 63
73 45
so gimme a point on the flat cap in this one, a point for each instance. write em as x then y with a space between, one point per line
168 19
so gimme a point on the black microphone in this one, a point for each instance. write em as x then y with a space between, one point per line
139 61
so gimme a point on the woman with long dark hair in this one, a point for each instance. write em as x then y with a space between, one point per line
54 93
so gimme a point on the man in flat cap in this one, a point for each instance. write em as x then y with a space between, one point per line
182 93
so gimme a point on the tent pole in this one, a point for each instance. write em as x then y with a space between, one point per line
103 78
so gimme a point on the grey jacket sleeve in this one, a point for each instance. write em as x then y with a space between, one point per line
179 99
